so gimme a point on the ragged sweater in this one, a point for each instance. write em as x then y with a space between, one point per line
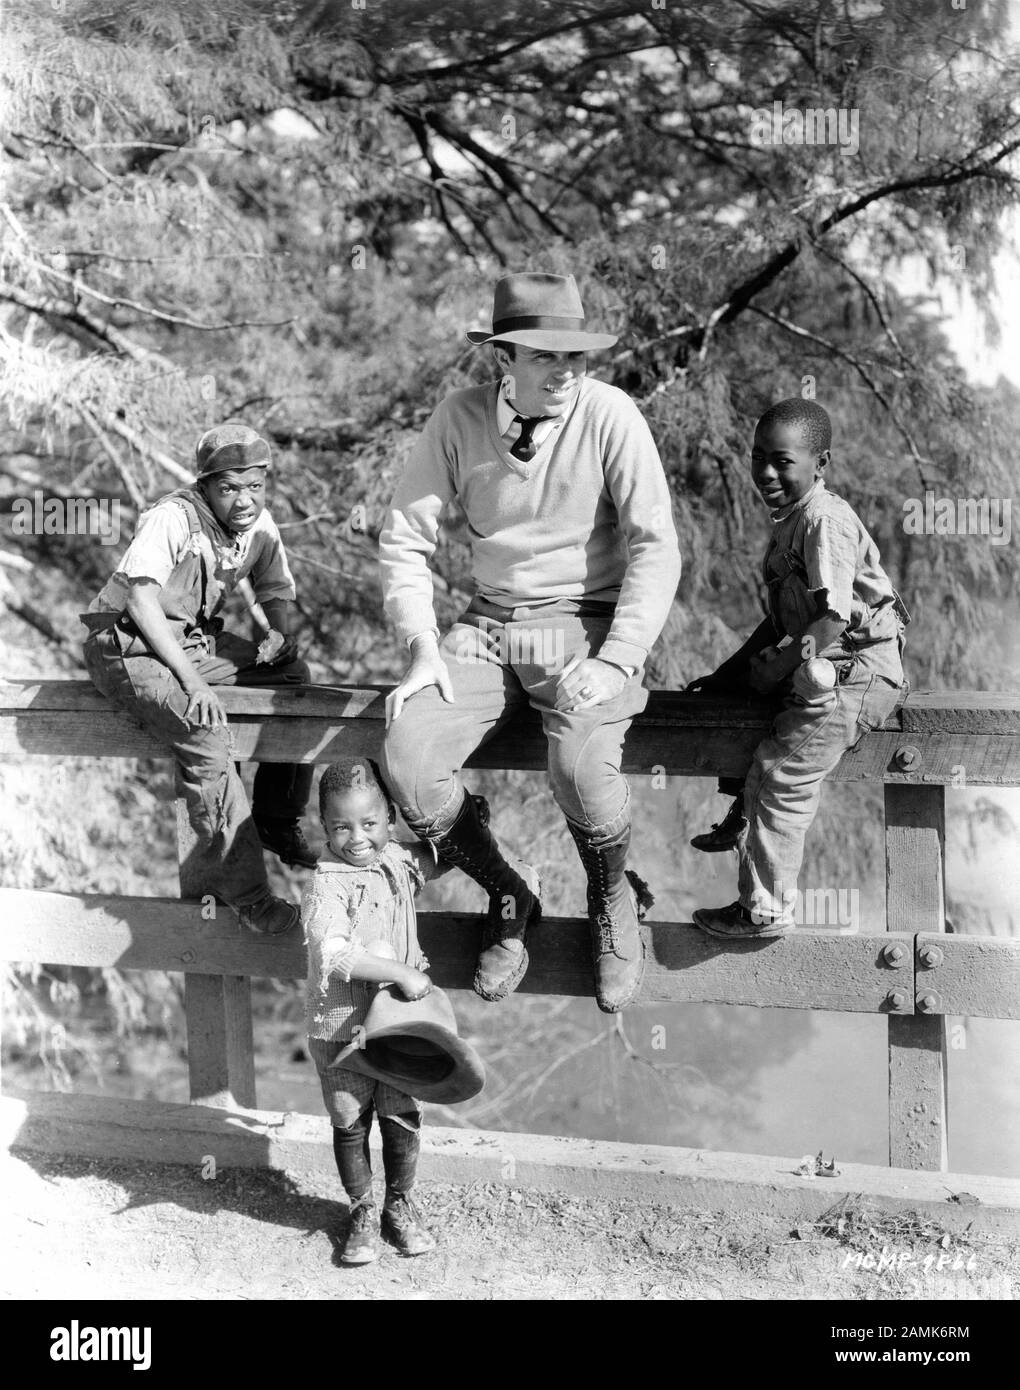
589 516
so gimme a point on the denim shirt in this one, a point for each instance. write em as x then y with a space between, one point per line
821 559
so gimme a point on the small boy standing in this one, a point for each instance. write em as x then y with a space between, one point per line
156 648
831 646
361 931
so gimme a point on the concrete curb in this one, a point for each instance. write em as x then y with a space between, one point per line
145 1131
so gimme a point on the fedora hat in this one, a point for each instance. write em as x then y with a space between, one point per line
539 311
413 1044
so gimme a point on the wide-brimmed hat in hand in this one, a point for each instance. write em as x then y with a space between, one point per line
540 311
414 1045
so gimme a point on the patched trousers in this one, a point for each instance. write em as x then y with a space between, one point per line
226 860
784 784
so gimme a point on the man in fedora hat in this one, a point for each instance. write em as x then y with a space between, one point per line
156 648
575 563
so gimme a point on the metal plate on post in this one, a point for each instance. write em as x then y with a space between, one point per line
915 832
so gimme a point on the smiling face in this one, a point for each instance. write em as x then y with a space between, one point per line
237 497
357 825
784 467
545 383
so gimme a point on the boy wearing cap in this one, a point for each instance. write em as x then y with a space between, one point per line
156 648
575 562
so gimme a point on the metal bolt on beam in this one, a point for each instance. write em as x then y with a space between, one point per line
896 999
930 1002
907 757
894 954
931 956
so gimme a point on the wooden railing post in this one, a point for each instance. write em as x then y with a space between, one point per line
217 1008
915 846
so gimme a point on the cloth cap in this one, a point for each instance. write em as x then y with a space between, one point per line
540 311
230 447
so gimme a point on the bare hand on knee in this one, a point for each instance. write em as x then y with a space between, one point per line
204 708
586 682
427 668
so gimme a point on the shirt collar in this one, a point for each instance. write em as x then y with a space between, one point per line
506 414
812 491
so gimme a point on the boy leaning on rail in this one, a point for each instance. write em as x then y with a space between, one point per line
157 649
831 647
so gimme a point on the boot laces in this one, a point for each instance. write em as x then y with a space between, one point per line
605 928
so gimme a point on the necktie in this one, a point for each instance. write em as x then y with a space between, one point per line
524 447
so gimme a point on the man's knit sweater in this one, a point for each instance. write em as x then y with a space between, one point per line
589 516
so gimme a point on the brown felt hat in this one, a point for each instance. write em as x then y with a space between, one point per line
413 1044
230 447
540 311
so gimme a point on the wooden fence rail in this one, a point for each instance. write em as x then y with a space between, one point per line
912 971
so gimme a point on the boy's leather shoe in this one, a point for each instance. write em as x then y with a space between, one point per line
269 916
617 902
404 1228
286 840
735 923
726 834
362 1244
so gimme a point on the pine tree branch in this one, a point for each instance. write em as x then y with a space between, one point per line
77 323
135 492
859 368
486 60
176 470
504 171
874 301
118 302
739 299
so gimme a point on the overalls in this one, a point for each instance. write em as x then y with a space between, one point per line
227 859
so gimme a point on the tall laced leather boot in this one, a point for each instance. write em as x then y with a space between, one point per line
617 902
514 904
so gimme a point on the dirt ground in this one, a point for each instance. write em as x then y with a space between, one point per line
82 1229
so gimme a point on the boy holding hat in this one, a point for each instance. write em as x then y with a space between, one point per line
374 1046
157 649
575 562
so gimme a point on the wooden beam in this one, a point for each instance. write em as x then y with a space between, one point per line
810 969
954 711
976 976
915 842
678 735
980 975
217 1009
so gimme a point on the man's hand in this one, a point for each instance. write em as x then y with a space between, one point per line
204 708
427 668
586 682
414 984
287 653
